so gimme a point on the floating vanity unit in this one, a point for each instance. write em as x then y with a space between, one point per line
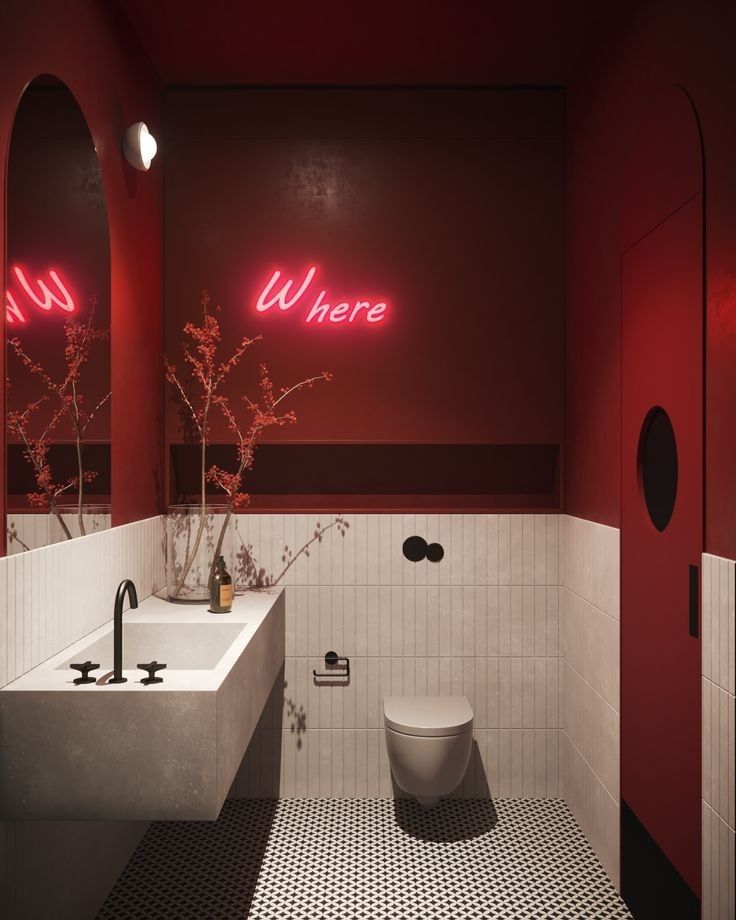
164 751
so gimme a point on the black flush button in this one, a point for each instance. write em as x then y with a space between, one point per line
415 548
435 552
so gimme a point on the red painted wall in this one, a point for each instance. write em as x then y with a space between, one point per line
90 47
660 43
448 203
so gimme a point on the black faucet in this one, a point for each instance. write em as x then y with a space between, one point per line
125 586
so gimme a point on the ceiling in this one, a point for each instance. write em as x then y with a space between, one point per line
441 42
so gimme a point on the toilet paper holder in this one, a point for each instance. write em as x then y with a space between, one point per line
333 661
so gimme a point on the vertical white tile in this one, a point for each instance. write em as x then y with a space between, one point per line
456 548
373 614
403 572
516 692
372 549
467 620
539 552
540 764
516 646
480 549
483 617
373 765
497 696
528 614
467 558
721 653
706 607
553 620
360 540
397 620
516 739
504 764
517 549
384 629
361 764
409 621
553 549
433 620
386 549
493 559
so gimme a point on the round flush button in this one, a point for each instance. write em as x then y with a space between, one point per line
415 548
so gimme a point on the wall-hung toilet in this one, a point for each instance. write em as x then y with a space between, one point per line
429 739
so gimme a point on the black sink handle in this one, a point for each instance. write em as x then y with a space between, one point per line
152 667
85 667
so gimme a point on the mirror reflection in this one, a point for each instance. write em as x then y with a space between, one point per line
57 325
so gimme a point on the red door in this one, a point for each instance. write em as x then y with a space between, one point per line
662 537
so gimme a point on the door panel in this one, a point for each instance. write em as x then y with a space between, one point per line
662 367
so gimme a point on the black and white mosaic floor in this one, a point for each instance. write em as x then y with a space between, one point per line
377 859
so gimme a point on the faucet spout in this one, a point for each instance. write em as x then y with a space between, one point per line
126 586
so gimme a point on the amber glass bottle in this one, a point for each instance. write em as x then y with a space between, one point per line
221 589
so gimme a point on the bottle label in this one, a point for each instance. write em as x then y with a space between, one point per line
226 595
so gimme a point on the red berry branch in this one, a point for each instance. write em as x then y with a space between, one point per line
207 374
69 404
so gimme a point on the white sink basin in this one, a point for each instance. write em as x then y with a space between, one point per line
132 752
182 646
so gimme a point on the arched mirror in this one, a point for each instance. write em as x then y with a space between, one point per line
57 325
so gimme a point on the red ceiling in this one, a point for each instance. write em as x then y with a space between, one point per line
351 42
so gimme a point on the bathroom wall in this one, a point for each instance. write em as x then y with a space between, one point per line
719 706
440 200
91 47
482 622
649 44
589 683
49 598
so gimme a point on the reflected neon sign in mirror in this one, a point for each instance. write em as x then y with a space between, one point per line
39 294
316 305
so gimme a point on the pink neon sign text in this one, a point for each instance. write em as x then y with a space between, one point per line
38 294
289 295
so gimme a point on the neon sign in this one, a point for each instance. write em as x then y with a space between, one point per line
36 294
321 311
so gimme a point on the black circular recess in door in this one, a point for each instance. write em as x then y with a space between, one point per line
658 466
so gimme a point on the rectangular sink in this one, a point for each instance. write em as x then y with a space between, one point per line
182 646
135 752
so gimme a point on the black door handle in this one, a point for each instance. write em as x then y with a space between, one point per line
694 601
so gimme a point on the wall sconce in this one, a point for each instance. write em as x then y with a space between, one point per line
139 146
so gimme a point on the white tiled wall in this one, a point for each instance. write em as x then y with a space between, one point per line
719 706
49 598
590 681
32 531
55 595
483 622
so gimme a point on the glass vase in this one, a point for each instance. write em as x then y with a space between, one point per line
195 536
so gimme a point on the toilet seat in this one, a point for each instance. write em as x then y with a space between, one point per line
428 716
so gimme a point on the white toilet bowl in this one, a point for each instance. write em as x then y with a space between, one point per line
429 739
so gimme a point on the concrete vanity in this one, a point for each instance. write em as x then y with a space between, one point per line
167 751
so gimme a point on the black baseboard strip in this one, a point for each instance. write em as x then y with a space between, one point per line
651 886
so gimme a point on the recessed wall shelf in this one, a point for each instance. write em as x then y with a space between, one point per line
384 477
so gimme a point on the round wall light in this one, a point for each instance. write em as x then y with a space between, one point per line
139 146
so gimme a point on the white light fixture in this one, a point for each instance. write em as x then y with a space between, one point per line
139 146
